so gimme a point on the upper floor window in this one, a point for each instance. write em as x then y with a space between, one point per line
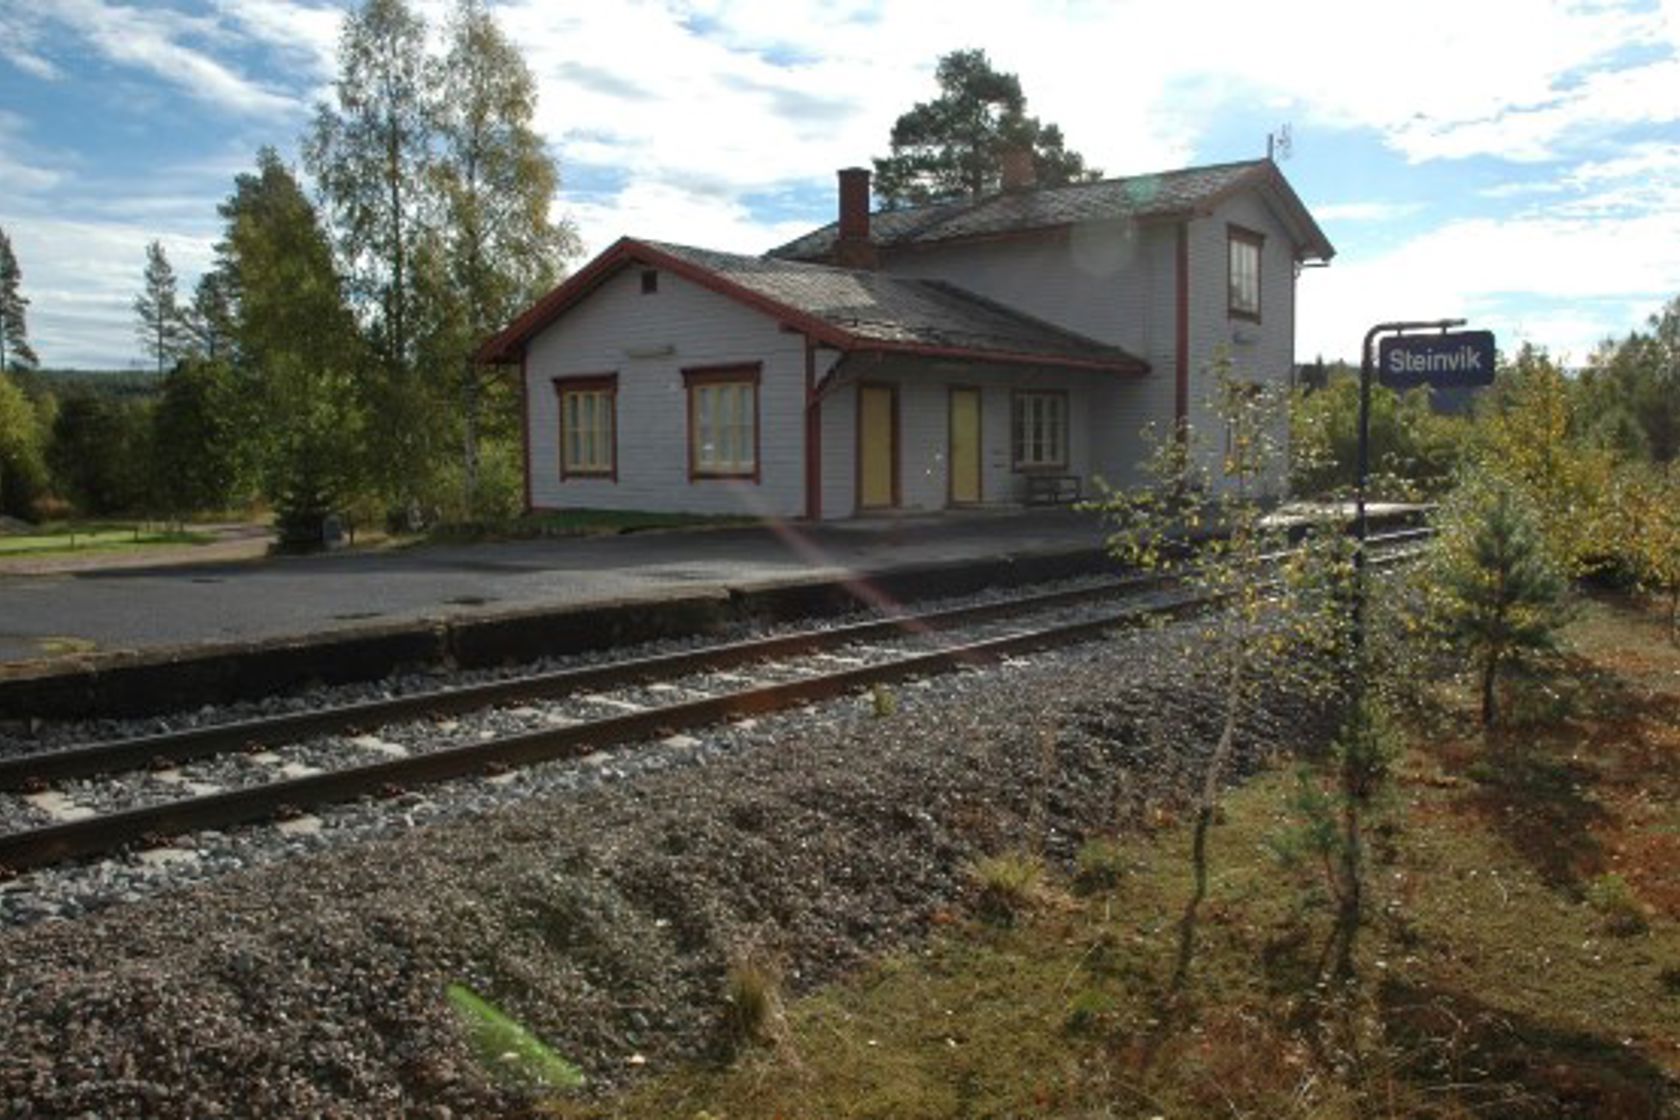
1040 430
588 426
1243 251
723 421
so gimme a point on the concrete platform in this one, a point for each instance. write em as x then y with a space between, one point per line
130 639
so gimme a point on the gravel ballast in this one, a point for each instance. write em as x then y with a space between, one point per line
601 909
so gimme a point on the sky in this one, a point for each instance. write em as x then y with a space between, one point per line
1514 162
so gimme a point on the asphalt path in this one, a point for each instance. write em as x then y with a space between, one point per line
121 609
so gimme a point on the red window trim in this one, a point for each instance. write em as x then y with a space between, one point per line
725 374
1234 234
1015 465
586 383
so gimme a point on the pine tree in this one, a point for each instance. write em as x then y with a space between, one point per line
299 353
1498 591
161 327
210 319
954 145
14 332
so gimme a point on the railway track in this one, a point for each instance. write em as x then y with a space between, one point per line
385 747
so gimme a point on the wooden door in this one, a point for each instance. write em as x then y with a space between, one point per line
877 447
965 446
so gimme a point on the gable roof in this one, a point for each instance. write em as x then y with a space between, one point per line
1184 193
844 308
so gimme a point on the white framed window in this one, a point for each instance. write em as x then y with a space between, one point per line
722 421
588 426
1040 436
1243 251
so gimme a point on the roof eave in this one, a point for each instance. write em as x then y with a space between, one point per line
1121 365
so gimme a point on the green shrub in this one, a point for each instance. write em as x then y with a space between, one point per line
1009 884
752 1003
1624 915
1101 864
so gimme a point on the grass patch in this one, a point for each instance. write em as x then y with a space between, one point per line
95 536
579 523
1489 982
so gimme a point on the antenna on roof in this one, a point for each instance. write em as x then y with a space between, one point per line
1279 144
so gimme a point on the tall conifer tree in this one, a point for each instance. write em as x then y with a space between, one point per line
14 330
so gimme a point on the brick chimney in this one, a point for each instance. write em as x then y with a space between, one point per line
1019 174
852 247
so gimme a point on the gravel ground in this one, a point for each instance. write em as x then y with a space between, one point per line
598 902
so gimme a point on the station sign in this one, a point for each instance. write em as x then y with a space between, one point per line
1459 360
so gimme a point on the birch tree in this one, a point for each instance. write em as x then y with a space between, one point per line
370 152
498 245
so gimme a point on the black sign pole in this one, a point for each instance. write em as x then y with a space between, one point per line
1364 464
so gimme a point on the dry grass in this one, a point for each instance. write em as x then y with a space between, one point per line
1490 982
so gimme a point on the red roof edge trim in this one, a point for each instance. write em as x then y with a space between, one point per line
507 345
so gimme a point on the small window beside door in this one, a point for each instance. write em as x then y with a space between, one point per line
1040 436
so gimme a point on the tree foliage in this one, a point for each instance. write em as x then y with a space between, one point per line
14 327
194 442
100 453
438 193
1529 434
1414 452
371 153
23 448
954 145
1631 391
298 345
160 324
210 320
496 247
1496 590
1647 504
1271 621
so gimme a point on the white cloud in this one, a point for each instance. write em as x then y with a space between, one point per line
1481 268
153 41
1365 211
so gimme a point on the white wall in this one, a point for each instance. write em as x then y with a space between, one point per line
1261 352
704 328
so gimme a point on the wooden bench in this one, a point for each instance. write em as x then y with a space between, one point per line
1052 489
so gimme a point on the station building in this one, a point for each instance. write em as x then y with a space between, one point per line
991 351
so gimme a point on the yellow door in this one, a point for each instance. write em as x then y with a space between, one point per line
876 453
965 446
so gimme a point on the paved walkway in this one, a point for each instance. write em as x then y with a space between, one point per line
47 615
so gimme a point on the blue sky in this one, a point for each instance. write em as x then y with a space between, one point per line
1512 161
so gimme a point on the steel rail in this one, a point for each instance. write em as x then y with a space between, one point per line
24 773
58 843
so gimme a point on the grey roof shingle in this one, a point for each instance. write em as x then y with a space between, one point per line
877 307
1136 196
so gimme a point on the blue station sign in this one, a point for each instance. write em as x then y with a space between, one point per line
1462 359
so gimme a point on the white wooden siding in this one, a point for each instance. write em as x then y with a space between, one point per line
599 334
1092 279
1262 352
